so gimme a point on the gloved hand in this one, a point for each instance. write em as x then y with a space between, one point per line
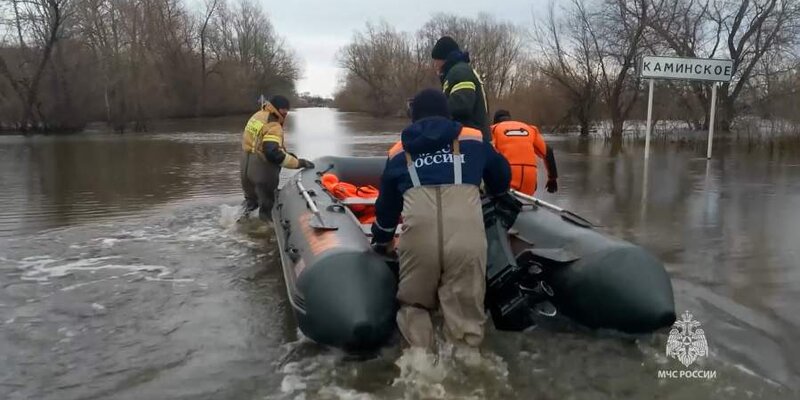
507 207
305 163
552 185
385 249
380 248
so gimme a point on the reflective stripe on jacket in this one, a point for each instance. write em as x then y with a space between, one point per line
466 96
263 135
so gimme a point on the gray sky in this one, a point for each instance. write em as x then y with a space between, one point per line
316 29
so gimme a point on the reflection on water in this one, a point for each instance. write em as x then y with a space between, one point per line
727 229
124 277
50 182
319 132
56 181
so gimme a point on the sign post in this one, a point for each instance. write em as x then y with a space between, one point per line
649 120
692 69
711 118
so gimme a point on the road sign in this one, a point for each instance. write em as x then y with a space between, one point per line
693 69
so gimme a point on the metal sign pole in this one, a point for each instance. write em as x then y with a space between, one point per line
649 121
711 118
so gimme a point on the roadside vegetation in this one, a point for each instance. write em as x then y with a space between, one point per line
574 68
64 63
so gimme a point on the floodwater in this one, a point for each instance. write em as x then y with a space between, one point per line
124 276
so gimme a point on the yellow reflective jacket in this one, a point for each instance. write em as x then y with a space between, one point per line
263 135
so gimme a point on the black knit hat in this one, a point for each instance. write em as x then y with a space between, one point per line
443 47
279 102
501 115
429 103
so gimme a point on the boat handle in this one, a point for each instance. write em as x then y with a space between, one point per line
325 171
309 201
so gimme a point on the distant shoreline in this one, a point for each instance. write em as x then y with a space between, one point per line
104 127
749 130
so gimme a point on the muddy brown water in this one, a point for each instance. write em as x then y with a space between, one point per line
124 276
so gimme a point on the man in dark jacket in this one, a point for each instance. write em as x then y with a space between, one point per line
463 87
264 155
432 177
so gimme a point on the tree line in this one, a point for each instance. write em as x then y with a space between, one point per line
64 63
576 65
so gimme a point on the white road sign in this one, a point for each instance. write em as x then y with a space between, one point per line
696 69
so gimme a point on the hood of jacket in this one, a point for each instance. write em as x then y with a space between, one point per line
268 107
452 59
429 135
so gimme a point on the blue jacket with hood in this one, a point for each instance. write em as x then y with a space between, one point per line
428 141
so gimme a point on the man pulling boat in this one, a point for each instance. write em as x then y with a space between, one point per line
432 177
264 154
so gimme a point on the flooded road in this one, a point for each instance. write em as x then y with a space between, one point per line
124 276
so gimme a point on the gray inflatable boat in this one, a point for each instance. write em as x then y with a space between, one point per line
547 263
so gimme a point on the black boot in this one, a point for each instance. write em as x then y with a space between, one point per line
247 208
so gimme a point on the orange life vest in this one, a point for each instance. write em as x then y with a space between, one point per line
520 144
344 190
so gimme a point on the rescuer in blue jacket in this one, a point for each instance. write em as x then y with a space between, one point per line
432 177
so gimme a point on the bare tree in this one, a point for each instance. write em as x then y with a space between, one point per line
617 31
388 66
756 28
97 23
211 7
567 56
597 57
246 52
128 61
744 30
387 62
495 48
43 22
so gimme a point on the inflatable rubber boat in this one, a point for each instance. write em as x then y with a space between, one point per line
549 262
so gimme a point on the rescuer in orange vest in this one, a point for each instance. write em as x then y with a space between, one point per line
521 144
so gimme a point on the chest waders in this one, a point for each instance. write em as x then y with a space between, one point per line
442 254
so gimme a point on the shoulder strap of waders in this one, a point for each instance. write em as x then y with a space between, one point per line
457 179
412 170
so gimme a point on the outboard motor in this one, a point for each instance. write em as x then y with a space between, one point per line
511 290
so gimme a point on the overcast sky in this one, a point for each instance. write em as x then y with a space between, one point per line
316 29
